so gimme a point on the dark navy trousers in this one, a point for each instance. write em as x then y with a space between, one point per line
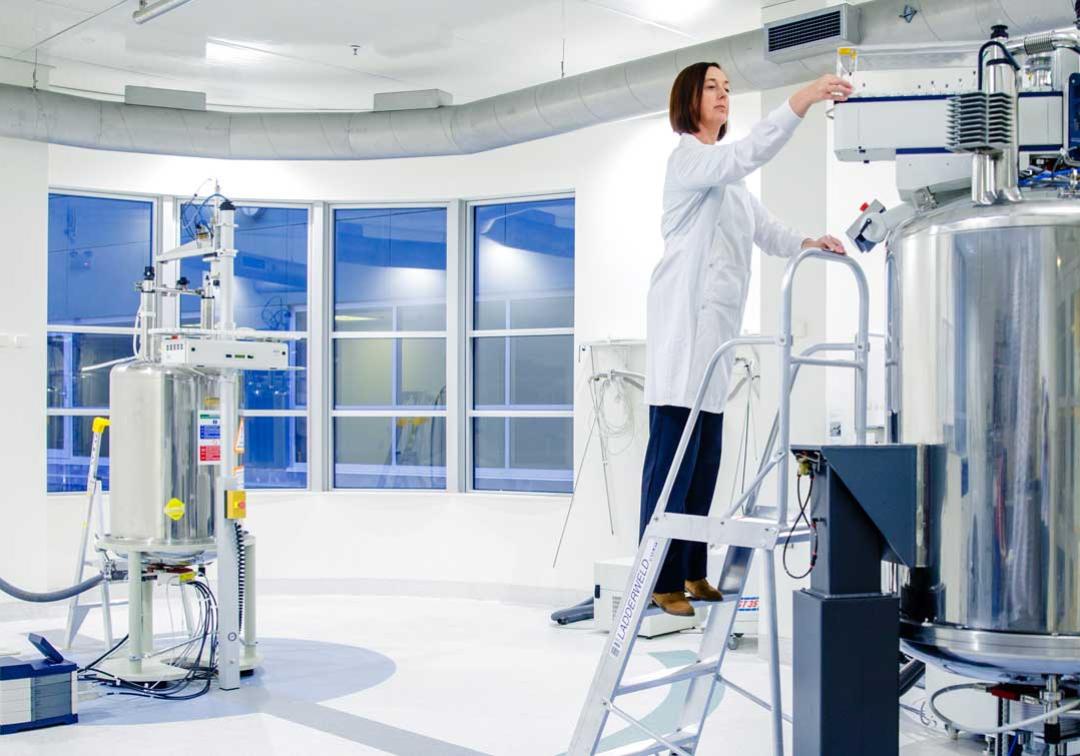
694 486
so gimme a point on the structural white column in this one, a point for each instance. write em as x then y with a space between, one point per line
24 207
793 188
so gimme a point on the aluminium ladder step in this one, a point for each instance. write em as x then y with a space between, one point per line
687 739
669 676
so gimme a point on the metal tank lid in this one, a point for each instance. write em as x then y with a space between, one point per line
1041 208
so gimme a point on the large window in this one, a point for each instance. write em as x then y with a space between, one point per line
389 347
271 270
522 346
98 248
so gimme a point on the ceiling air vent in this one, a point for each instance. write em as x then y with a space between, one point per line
812 33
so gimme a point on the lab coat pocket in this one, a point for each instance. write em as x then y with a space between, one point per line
724 290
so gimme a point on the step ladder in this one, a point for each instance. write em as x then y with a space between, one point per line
746 528
77 610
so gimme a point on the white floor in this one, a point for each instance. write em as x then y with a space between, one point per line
411 676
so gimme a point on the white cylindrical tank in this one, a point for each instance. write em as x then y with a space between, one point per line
161 493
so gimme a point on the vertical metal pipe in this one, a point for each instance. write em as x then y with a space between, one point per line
228 566
862 345
784 408
226 238
777 713
206 312
147 618
135 610
146 320
250 602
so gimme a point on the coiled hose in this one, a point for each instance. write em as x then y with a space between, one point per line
241 572
50 596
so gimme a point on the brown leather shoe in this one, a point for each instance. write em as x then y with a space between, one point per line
674 603
702 591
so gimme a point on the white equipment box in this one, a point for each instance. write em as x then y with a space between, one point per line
883 128
209 353
610 577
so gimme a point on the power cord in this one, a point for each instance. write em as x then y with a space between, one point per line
806 470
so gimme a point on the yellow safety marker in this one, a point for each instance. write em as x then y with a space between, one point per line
236 505
187 577
100 424
175 509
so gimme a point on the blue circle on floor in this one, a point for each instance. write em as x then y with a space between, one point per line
297 670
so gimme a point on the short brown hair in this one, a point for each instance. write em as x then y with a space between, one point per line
684 108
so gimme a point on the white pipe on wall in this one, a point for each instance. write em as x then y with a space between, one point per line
617 92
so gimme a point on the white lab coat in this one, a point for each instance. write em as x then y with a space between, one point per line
697 293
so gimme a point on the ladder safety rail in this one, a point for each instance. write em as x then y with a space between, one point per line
862 344
745 534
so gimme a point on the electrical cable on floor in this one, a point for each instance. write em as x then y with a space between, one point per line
810 523
170 691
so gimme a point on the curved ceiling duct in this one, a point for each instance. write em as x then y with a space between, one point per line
608 94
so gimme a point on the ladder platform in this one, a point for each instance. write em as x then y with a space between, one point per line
669 676
686 739
752 532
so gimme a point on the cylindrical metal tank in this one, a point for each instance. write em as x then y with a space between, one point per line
985 352
161 499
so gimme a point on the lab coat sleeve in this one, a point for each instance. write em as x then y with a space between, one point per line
772 236
700 166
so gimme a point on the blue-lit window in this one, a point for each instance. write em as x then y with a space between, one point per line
389 348
98 248
271 269
522 346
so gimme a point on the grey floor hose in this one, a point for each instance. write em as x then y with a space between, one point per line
50 596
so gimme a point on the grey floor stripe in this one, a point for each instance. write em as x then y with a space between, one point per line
360 729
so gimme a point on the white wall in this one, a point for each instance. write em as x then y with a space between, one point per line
616 172
24 218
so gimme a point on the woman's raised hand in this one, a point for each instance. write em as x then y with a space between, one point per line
828 87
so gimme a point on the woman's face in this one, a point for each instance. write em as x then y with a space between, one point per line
714 100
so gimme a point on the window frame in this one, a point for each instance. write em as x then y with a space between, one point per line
468 334
450 335
70 413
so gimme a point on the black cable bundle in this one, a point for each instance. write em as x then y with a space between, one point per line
241 572
810 523
170 691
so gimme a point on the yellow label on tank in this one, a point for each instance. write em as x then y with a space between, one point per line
175 509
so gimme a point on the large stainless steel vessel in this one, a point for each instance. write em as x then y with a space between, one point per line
161 499
985 336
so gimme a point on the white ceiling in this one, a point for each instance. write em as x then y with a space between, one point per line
298 54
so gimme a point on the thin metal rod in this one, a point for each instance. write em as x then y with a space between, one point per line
857 365
573 494
635 723
603 445
750 696
147 12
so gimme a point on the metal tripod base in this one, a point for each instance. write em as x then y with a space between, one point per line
145 671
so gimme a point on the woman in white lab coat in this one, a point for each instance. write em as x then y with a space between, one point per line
698 291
